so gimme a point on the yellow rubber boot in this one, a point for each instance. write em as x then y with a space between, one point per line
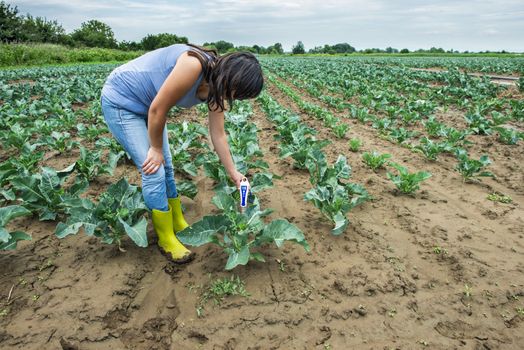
169 245
179 223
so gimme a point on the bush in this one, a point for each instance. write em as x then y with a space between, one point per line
36 54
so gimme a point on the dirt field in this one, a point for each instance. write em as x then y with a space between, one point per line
442 270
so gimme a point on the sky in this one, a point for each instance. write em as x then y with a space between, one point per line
474 25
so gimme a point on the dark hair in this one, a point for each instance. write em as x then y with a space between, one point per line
237 72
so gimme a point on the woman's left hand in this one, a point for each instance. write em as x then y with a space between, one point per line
154 159
236 177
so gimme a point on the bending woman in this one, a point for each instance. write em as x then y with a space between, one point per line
136 98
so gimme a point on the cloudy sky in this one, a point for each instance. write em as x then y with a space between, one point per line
462 25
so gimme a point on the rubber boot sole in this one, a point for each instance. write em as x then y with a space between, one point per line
188 258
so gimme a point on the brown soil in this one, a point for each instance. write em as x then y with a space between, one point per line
381 285
22 81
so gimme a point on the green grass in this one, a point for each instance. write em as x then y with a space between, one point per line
499 197
219 289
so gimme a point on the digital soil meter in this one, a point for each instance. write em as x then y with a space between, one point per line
244 194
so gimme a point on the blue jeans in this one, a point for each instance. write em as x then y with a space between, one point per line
130 130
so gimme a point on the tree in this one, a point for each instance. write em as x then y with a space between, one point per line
404 51
343 48
373 50
316 49
244 48
156 41
9 23
328 49
333 49
278 48
129 46
390 49
38 29
221 46
94 33
261 49
298 48
436 50
275 49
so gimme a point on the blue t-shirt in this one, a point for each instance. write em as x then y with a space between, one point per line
134 85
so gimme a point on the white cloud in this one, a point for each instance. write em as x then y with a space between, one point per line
465 25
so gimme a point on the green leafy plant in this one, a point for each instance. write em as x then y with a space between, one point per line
187 189
433 127
499 197
330 121
467 291
214 169
219 289
16 136
340 130
517 109
223 287
58 141
44 194
509 136
498 118
300 151
26 161
9 239
90 132
405 181
186 136
439 250
119 212
432 149
410 117
296 139
383 124
401 135
6 174
238 233
242 135
111 144
472 168
361 114
244 148
478 124
90 165
330 195
455 137
21 166
355 144
375 160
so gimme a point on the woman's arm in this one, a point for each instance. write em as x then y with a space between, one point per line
176 85
219 139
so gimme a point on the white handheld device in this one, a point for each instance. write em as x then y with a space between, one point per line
244 193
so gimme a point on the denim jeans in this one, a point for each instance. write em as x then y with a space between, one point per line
130 130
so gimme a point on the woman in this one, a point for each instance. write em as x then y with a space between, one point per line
135 100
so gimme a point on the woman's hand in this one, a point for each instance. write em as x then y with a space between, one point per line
154 159
236 177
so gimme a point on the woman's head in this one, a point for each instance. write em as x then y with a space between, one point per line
233 76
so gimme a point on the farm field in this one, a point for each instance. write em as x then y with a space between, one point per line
399 192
